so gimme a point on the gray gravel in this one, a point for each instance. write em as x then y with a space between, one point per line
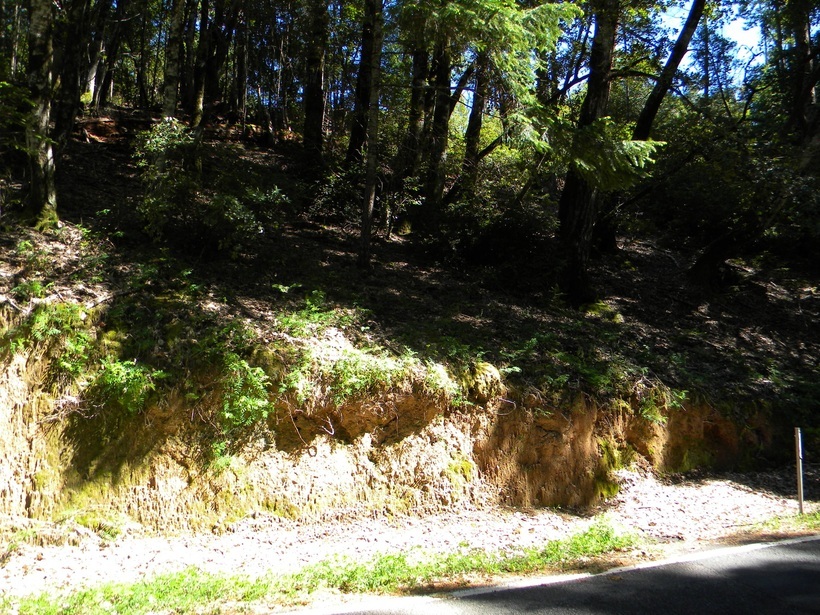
684 512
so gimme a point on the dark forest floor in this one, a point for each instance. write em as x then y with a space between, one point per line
754 343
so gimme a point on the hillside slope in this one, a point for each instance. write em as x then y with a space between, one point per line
180 386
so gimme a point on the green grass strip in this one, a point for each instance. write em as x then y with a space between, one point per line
192 590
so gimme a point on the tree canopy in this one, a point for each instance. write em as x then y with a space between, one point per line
482 124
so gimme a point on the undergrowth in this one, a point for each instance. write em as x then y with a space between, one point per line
168 328
162 333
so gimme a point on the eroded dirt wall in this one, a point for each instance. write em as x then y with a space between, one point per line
159 469
28 483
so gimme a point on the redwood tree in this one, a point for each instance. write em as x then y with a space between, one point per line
314 95
42 201
577 208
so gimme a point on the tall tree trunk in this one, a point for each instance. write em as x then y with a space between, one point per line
213 65
202 53
222 29
42 203
95 68
73 50
707 63
142 64
431 209
5 43
96 71
173 54
803 75
112 46
408 158
374 8
472 136
577 208
14 59
364 86
241 85
314 95
186 81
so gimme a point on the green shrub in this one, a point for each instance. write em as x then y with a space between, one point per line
125 384
356 372
30 289
245 396
338 196
165 155
195 209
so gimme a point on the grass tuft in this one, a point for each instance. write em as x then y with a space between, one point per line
195 591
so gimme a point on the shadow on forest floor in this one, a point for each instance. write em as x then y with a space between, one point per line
753 343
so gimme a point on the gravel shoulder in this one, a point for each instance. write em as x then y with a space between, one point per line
674 515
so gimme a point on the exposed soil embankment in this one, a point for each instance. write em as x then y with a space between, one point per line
402 453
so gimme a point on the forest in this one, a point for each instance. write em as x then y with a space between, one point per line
613 198
472 122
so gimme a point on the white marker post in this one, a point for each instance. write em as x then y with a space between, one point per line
798 449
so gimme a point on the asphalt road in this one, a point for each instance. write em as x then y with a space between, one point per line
781 578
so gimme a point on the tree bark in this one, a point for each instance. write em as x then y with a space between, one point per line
374 8
112 46
170 87
472 136
202 52
314 95
364 86
10 40
142 65
430 213
408 158
42 203
577 208
72 51
240 102
221 31
803 75
186 81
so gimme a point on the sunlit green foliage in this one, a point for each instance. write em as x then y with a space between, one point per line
125 384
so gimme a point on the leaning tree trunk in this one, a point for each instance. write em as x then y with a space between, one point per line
606 226
42 203
577 208
472 136
664 82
